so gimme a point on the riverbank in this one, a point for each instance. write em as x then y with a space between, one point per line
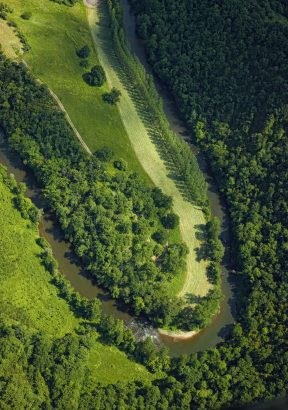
191 216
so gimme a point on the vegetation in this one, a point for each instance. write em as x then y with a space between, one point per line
27 15
57 65
109 215
84 51
66 2
96 77
112 97
36 340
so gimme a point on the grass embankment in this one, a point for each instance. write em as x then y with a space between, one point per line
196 281
28 298
54 33
9 42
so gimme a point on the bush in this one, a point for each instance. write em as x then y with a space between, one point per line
96 77
84 63
170 221
120 164
160 236
4 10
113 97
83 52
104 154
26 16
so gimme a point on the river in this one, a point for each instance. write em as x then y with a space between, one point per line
68 262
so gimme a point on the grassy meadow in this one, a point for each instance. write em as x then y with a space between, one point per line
9 42
27 296
54 33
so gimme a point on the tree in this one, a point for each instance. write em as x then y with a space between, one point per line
104 154
27 15
96 77
170 221
113 97
84 52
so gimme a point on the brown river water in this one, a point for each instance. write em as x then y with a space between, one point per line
68 262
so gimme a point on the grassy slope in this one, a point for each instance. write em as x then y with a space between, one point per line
27 296
9 42
54 33
196 280
57 65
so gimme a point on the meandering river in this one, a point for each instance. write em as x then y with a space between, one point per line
69 265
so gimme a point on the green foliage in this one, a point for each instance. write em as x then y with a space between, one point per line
5 9
84 63
26 15
174 151
66 2
112 97
170 221
96 77
105 154
84 51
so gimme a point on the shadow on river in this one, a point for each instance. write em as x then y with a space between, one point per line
68 262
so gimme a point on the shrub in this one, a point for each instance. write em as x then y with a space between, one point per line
26 16
96 77
83 52
170 221
160 236
104 154
113 97
120 164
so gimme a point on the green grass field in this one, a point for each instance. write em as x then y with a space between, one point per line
27 297
54 33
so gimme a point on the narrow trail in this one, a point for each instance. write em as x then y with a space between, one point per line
62 108
196 282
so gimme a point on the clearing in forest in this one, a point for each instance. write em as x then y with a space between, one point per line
196 281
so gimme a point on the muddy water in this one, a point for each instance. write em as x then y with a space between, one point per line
220 325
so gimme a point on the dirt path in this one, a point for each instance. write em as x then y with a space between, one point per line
62 108
196 282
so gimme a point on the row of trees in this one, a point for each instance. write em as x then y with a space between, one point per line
175 151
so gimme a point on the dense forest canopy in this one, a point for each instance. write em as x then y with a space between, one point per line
226 65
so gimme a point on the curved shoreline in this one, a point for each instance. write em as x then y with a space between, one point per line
177 336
